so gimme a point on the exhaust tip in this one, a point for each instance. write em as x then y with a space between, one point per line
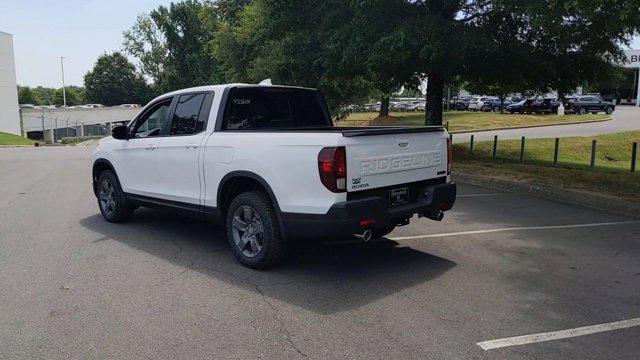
365 236
435 215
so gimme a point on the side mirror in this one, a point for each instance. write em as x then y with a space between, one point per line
120 132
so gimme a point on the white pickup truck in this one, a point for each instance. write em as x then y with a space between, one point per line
268 163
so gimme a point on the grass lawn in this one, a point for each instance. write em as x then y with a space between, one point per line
461 121
9 139
611 176
613 151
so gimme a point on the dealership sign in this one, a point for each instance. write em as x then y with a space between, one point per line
633 59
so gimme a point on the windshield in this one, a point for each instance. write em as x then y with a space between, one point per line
274 108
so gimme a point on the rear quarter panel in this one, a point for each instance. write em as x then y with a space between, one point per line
287 161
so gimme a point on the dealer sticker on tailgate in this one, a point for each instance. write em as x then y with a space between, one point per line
398 196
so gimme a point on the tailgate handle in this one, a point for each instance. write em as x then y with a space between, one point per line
403 143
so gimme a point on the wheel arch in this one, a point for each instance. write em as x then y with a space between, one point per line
99 166
236 181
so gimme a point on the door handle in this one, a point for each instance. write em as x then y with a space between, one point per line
151 147
192 146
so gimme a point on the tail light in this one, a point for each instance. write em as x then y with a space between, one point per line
449 155
332 165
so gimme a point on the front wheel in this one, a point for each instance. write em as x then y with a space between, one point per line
113 205
582 111
253 231
496 109
608 110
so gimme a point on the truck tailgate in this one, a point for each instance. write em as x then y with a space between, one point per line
391 159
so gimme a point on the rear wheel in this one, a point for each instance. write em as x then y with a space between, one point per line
113 205
253 231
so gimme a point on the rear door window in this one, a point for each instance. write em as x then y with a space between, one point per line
254 108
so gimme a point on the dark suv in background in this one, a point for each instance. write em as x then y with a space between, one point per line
546 106
588 103
497 105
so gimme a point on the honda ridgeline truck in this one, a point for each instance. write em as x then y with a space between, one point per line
269 164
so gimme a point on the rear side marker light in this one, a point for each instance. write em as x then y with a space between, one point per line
367 222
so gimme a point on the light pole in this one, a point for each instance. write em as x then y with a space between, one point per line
64 91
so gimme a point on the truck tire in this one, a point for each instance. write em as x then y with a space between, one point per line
113 205
253 231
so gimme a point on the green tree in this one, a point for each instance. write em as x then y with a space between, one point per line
188 30
44 95
146 43
293 42
380 40
113 80
563 43
71 96
26 96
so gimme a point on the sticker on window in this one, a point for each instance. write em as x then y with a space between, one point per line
242 101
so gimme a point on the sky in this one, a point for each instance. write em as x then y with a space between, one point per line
45 30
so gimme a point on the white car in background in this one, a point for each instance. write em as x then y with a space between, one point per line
477 102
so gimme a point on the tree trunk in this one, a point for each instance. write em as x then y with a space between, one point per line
435 93
384 107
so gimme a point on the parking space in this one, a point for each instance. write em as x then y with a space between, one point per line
500 265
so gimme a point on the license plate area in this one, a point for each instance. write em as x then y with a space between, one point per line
398 196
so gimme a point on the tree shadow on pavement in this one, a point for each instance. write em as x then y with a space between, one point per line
323 279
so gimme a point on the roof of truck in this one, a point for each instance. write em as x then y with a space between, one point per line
221 87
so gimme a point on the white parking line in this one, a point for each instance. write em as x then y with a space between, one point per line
556 335
480 195
519 228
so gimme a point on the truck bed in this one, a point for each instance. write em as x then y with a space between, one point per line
353 131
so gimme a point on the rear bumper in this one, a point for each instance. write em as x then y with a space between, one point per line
344 219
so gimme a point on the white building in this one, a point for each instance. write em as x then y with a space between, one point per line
9 117
632 72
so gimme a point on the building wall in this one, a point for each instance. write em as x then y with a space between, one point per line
633 62
34 119
9 118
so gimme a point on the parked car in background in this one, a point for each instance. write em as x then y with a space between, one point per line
522 107
460 103
489 103
546 106
477 102
418 106
128 105
589 103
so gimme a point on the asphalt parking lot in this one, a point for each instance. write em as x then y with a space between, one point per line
500 265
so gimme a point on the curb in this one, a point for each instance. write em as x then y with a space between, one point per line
575 197
532 126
